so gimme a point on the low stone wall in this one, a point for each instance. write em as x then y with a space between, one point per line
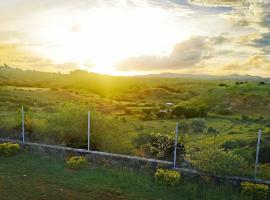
124 161
95 157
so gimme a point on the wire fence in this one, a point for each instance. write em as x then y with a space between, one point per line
79 128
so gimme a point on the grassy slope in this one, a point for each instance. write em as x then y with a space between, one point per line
45 100
110 96
32 176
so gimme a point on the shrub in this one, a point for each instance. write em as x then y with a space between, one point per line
245 117
264 153
167 177
76 162
180 111
198 125
212 130
127 111
66 125
161 144
161 115
9 149
232 144
218 161
147 114
256 191
223 84
264 171
224 111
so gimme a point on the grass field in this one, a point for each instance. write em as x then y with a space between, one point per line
126 111
33 176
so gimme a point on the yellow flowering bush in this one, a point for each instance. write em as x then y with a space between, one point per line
76 162
256 191
167 177
9 149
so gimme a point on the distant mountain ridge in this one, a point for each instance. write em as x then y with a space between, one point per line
205 76
10 70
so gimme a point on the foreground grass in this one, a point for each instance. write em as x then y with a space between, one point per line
32 176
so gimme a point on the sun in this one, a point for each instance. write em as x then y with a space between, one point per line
105 36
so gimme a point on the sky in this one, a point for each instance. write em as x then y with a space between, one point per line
135 37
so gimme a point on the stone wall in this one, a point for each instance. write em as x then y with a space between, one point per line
123 161
95 157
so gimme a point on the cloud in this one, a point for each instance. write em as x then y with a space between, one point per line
256 65
263 42
220 54
253 15
225 3
11 36
244 12
13 55
75 28
184 54
235 35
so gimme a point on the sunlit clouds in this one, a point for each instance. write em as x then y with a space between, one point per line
137 37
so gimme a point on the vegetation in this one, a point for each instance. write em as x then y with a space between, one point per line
9 149
167 177
161 145
137 115
218 161
33 176
256 191
76 162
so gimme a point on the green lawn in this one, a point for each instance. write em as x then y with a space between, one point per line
32 176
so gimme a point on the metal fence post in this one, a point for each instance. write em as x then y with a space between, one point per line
257 153
88 131
175 145
22 124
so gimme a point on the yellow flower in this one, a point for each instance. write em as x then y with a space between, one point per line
76 162
167 177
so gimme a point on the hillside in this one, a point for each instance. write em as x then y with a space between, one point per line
134 115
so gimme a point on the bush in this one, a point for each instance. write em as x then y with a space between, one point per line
76 162
67 125
256 191
223 84
167 177
161 115
264 171
212 130
245 117
161 145
127 111
232 144
220 162
198 125
264 153
224 111
180 111
147 114
9 149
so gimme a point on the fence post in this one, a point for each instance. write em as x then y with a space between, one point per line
175 145
257 153
88 131
22 124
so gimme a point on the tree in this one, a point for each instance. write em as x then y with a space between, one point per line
198 125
